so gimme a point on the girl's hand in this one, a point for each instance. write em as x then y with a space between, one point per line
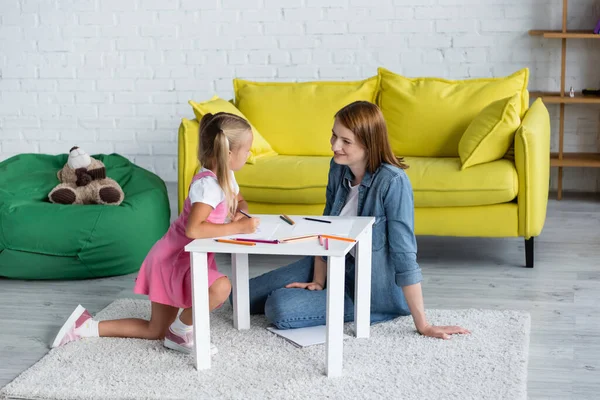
248 225
442 332
305 285
238 215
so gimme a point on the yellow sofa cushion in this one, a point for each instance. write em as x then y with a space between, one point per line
427 116
296 117
260 146
491 133
437 182
285 179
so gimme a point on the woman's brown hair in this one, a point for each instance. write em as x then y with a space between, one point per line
366 121
220 133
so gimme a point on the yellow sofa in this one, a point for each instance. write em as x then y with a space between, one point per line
505 196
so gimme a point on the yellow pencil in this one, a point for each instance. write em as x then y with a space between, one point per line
288 218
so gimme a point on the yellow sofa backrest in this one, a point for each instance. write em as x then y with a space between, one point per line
427 116
296 118
187 157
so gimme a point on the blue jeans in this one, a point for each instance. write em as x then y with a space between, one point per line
298 308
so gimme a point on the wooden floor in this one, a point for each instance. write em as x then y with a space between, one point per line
562 293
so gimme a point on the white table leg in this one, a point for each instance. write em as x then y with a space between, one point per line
335 315
362 289
241 291
200 310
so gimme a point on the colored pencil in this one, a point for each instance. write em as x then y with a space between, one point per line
257 240
286 220
320 240
339 238
291 239
289 219
326 244
317 220
245 213
235 242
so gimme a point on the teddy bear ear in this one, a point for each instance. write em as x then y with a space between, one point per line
73 148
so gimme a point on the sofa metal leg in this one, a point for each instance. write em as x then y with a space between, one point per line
529 253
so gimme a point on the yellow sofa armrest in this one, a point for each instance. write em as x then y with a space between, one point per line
187 158
532 159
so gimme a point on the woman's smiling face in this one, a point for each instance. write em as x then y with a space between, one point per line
346 150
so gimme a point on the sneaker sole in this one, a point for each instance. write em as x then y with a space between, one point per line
70 321
177 347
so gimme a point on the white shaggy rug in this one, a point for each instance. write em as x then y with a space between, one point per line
395 363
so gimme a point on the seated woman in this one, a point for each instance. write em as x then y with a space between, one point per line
366 179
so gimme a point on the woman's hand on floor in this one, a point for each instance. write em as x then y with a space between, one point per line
305 285
442 332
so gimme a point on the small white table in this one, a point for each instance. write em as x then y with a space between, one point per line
361 231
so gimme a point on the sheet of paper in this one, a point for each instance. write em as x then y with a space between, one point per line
339 227
265 231
303 337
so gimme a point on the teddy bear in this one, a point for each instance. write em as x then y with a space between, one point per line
83 181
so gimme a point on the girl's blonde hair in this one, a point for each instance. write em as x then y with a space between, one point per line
366 121
221 133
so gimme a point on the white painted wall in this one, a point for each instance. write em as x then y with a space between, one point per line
116 75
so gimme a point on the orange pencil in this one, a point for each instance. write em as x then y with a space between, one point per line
339 238
235 242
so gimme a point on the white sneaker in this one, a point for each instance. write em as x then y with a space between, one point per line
67 332
183 343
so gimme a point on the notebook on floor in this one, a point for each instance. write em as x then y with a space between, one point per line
303 337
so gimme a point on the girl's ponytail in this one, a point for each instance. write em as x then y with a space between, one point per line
221 153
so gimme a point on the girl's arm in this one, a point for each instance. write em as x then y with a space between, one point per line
199 228
242 204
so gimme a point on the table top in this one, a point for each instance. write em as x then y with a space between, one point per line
284 230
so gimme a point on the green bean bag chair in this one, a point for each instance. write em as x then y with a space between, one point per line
41 240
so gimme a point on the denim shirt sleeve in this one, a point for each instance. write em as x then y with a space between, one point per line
399 210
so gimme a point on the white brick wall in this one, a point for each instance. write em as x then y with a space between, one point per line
116 75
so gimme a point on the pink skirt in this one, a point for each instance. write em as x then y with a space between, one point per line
168 282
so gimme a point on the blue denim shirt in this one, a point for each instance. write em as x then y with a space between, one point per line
386 195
